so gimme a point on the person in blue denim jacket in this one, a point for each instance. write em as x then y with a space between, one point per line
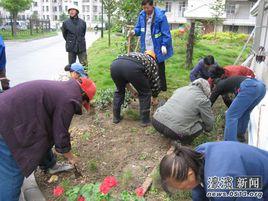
153 28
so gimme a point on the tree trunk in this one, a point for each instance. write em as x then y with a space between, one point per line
109 28
190 46
14 23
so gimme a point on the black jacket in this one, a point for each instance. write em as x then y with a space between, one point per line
225 86
74 31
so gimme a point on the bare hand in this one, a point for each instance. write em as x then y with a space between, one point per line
154 101
71 158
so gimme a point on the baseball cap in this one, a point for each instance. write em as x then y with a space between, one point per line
78 68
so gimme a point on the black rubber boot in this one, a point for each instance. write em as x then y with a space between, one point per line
116 116
145 118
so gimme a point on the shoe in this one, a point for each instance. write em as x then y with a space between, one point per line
57 168
241 138
116 120
145 118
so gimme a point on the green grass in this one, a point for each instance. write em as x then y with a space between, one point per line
101 56
25 35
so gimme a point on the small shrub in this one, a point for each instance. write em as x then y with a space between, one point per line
105 98
226 36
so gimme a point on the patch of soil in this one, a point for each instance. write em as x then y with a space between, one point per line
126 150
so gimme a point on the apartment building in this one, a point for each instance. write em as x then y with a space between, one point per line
90 10
236 17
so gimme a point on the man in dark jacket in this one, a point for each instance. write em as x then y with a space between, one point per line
74 31
4 80
153 28
35 116
140 70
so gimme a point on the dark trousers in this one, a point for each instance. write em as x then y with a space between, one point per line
82 56
162 75
126 71
5 82
184 139
48 161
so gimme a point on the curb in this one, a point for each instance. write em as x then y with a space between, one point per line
32 39
30 190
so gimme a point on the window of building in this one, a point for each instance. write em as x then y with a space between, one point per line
168 6
88 17
35 4
230 8
95 9
48 17
60 8
66 8
43 8
55 17
47 8
55 9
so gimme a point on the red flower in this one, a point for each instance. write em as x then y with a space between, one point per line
139 192
104 188
81 198
58 191
110 181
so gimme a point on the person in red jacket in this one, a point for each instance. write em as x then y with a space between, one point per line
225 72
229 71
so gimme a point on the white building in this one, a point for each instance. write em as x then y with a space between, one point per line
236 16
90 10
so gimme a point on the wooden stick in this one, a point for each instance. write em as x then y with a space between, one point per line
137 45
149 180
129 87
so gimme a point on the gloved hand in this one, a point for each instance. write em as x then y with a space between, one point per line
164 50
130 33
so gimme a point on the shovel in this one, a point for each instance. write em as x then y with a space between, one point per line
77 173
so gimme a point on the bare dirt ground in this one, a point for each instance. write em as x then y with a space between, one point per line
126 150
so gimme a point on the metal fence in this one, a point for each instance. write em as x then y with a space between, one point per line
23 27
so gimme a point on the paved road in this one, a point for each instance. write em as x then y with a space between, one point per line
38 59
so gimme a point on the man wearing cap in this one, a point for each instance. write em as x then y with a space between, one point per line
74 31
76 70
140 70
35 116
49 163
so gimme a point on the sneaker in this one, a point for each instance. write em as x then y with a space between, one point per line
57 168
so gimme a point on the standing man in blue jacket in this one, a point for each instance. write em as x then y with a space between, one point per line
153 28
4 80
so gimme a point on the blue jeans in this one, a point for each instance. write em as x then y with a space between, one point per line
11 178
251 93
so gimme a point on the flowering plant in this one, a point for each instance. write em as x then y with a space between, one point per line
99 192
